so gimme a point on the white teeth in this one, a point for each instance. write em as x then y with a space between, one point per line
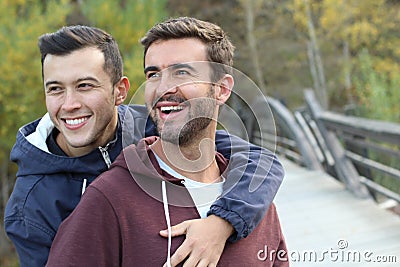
76 121
171 108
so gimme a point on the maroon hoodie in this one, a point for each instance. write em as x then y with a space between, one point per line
118 219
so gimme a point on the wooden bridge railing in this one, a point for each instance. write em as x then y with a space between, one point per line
286 138
364 154
372 147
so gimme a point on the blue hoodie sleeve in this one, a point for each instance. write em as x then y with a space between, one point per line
254 175
31 242
31 238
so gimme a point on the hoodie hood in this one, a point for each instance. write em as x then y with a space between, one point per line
31 140
140 161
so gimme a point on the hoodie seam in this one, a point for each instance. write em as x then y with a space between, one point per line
21 211
28 194
108 201
29 222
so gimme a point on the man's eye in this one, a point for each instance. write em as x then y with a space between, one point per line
54 89
152 75
85 86
181 72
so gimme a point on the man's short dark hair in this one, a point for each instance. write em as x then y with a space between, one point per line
71 38
219 47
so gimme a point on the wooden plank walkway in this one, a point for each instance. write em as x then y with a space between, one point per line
325 225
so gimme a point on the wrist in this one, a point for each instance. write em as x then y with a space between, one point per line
225 226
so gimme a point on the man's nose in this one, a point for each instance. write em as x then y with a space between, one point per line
71 100
166 85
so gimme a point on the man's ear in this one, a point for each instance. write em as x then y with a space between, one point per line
121 89
225 86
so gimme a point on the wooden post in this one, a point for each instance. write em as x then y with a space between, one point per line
345 169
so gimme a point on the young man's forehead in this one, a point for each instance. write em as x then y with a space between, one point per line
78 65
173 51
80 52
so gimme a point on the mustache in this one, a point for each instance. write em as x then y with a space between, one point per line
169 98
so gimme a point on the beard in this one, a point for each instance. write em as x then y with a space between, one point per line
200 114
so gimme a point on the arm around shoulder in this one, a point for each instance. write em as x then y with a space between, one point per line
254 176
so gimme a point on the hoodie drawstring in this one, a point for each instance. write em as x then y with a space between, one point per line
167 218
84 186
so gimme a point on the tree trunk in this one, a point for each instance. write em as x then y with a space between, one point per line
249 7
323 98
347 73
313 69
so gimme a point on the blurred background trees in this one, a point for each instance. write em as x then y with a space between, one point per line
348 51
21 97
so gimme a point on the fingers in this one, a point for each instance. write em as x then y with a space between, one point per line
181 254
176 230
203 256
191 261
199 261
204 242
195 255
204 263
200 255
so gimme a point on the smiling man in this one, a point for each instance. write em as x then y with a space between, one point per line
178 176
81 101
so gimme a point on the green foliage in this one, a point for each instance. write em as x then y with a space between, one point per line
9 261
378 93
358 25
127 21
378 97
21 94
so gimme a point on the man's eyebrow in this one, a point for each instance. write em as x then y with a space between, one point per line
51 82
182 66
172 66
151 68
89 78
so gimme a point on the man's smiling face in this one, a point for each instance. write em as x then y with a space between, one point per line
80 99
179 93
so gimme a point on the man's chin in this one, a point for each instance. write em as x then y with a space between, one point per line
77 143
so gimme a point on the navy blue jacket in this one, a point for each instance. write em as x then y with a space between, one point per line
48 187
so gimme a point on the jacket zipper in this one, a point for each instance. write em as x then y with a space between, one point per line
106 156
107 160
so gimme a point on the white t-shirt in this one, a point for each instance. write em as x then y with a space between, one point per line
203 194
